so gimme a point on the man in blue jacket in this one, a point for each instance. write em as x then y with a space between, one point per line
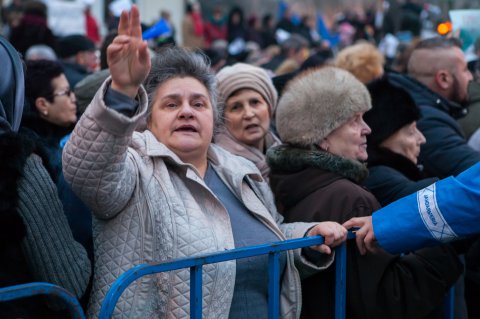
442 212
437 81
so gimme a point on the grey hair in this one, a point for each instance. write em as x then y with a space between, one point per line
40 51
174 62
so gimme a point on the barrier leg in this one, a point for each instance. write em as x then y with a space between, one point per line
340 280
449 304
196 292
274 286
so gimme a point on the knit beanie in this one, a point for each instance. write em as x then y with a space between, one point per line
244 76
317 102
392 109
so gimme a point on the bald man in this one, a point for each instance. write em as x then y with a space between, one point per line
437 81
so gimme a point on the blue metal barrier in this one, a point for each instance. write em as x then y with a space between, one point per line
273 250
195 264
41 288
449 304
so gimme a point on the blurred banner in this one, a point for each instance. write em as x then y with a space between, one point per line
466 25
66 17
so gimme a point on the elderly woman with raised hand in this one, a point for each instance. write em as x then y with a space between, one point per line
393 148
249 99
316 176
168 193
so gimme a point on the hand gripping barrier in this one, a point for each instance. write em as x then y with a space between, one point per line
195 264
42 288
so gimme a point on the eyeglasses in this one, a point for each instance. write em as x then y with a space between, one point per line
67 92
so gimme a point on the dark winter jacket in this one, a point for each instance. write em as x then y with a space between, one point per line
78 215
36 244
50 136
318 186
74 73
393 176
446 151
471 122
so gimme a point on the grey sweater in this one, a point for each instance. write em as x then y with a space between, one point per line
51 252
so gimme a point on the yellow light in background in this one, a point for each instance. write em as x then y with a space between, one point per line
444 28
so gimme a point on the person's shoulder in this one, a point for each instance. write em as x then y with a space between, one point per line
355 194
432 113
381 171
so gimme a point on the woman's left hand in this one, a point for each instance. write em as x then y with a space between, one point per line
334 235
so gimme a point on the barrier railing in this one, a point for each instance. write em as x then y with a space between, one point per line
41 288
195 264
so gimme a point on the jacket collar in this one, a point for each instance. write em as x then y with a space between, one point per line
286 158
225 163
379 156
422 95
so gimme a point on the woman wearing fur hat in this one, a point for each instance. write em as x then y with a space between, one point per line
393 149
249 99
316 175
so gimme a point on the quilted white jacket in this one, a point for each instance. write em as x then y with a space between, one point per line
149 206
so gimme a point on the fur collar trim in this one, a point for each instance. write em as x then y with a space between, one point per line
286 158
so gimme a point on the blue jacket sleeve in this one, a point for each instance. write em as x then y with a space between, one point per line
160 28
442 212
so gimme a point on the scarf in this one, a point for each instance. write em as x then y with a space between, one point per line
226 140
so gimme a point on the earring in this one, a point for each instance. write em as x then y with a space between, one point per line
45 112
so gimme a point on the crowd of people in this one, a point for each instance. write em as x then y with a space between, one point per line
137 149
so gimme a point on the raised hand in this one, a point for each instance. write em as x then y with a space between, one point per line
128 57
334 235
365 237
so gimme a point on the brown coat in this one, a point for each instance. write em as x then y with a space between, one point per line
318 186
190 39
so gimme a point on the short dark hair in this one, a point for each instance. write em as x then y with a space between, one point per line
438 43
38 79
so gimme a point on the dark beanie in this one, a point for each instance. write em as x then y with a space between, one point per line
392 109
72 44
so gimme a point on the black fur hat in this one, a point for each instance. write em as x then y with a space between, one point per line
392 109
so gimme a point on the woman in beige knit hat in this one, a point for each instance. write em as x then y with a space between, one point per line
317 175
248 100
